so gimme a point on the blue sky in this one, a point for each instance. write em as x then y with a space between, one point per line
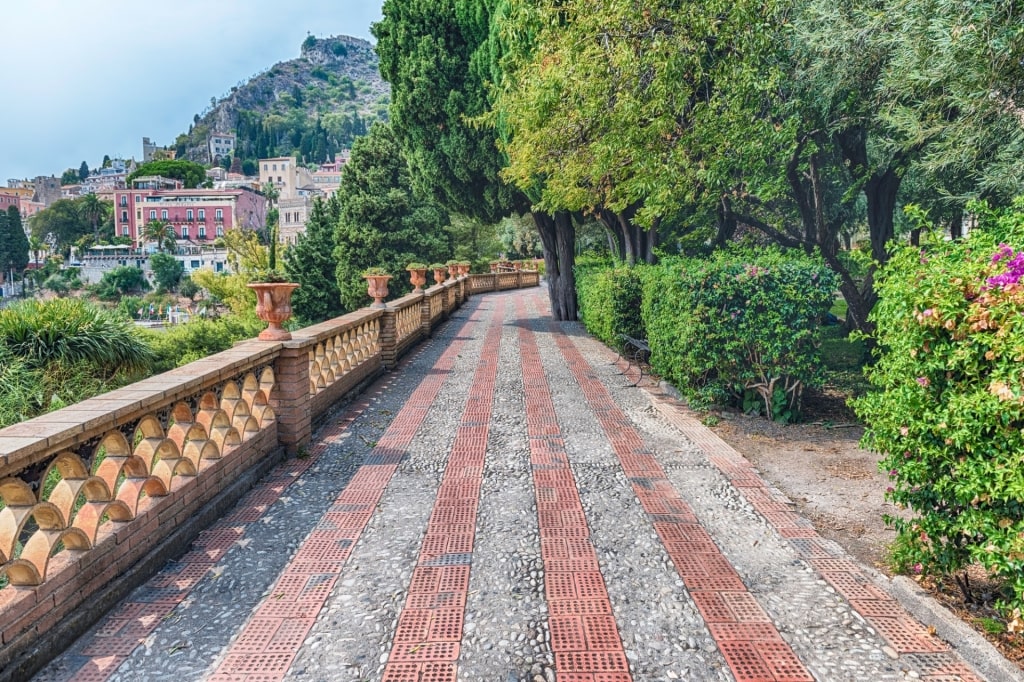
86 79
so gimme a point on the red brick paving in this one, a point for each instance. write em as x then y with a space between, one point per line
426 643
584 635
720 595
295 600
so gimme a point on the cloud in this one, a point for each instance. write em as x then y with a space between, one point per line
88 79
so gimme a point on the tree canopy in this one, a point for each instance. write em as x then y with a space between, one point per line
442 59
382 223
310 262
191 174
14 247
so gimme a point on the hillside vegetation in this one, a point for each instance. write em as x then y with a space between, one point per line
309 107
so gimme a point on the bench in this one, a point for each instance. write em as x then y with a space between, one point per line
637 352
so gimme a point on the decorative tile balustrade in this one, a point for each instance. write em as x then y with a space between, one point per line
436 307
408 321
337 356
62 502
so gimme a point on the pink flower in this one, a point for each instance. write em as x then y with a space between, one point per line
890 489
893 473
917 568
928 313
904 431
923 381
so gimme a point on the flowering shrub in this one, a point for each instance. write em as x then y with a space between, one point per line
741 326
948 409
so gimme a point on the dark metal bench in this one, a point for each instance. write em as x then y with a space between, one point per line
637 352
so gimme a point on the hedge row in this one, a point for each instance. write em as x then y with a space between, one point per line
739 327
609 300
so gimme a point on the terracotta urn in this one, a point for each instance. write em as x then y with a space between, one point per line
418 277
464 269
274 306
439 275
494 267
377 289
453 270
517 265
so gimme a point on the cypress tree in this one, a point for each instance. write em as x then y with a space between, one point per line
310 262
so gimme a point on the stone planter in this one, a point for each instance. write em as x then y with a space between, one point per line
463 270
418 277
274 306
439 275
453 271
377 289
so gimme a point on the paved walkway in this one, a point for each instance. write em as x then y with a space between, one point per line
504 508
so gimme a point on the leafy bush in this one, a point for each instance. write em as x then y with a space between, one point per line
121 281
130 307
56 353
167 271
70 331
741 326
185 343
609 302
948 406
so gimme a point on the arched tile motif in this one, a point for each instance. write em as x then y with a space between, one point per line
408 322
340 354
76 498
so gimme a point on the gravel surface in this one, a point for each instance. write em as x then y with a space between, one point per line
506 637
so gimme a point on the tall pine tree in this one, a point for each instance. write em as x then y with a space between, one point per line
13 243
310 262
382 222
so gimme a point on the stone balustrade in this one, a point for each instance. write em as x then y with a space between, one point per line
94 498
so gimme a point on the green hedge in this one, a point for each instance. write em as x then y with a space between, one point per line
609 300
740 327
947 409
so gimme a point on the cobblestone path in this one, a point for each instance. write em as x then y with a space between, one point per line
505 508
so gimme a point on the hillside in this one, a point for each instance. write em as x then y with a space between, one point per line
310 107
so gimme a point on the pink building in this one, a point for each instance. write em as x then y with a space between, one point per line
8 199
197 215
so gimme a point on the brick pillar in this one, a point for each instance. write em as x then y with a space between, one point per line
290 398
425 314
444 301
389 338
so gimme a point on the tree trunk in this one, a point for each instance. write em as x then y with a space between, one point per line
651 242
617 239
880 192
558 235
956 225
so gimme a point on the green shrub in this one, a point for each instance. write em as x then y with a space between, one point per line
740 327
947 409
121 281
185 343
56 353
609 302
70 331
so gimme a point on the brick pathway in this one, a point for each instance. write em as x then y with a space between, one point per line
660 553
